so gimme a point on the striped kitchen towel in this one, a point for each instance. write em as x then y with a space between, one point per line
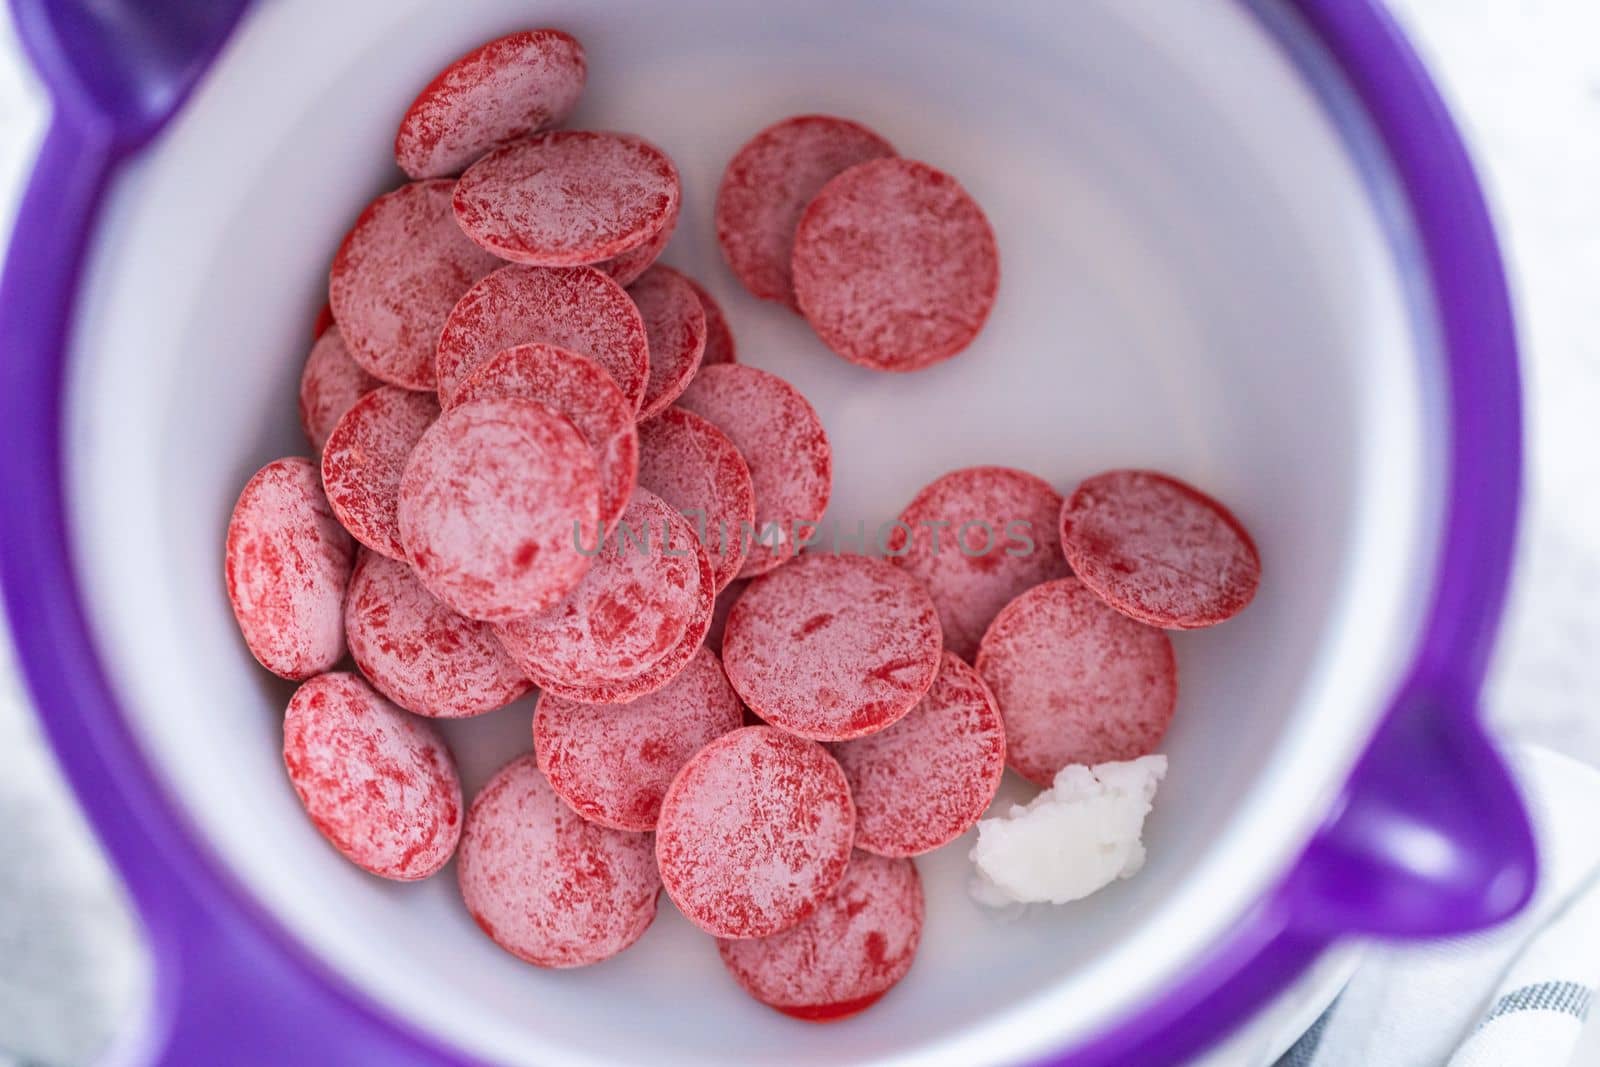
1539 1010
1515 996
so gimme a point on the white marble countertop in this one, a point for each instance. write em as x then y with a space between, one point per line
1524 78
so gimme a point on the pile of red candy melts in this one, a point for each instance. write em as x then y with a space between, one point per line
541 466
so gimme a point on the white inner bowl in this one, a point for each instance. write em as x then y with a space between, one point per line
1195 277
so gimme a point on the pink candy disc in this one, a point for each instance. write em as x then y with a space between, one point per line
720 347
287 564
783 443
976 538
633 622
418 652
626 268
509 88
575 308
378 783
832 647
363 458
329 386
857 945
692 465
323 322
1159 550
719 616
613 762
495 503
895 266
675 323
1076 681
754 832
567 198
927 779
578 388
767 186
399 271
546 885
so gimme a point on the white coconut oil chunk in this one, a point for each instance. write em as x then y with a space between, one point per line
1073 839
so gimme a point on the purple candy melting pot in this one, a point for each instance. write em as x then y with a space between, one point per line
232 986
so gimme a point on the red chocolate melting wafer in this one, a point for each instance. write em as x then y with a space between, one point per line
546 885
397 274
495 503
675 323
1159 550
925 781
567 198
287 563
1076 681
576 308
578 388
895 266
420 653
976 538
847 955
767 186
613 762
832 647
363 458
378 783
692 465
783 443
330 385
720 346
626 268
509 88
633 622
754 833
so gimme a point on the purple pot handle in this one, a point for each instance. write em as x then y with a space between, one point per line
1430 840
228 989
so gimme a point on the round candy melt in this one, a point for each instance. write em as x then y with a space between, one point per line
579 389
675 323
1076 681
767 186
633 622
692 465
783 443
287 564
847 955
329 386
380 784
832 647
363 458
418 652
323 322
546 885
626 268
575 308
719 613
976 538
495 503
1159 550
567 198
399 271
509 88
927 779
613 762
754 832
895 266
720 347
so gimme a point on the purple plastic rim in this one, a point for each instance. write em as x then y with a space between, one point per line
233 986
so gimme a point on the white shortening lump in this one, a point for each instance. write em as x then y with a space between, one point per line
1073 839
